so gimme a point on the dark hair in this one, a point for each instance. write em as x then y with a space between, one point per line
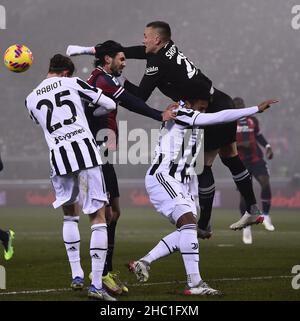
163 29
108 48
59 63
195 90
238 101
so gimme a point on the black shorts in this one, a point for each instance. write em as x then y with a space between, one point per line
259 168
111 181
217 136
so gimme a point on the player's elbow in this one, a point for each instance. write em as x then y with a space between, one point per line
107 103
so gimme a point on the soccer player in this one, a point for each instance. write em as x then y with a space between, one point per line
56 105
167 185
249 138
170 71
6 237
109 63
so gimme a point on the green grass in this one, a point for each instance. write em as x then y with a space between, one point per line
261 271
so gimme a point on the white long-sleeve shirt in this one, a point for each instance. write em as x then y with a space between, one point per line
180 140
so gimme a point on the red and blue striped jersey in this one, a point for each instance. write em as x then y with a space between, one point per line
248 139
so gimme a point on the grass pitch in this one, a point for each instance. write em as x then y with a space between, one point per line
39 270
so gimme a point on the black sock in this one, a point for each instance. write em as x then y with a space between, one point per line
206 190
242 179
242 205
4 237
266 198
111 230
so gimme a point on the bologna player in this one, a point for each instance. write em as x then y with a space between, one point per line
109 63
249 140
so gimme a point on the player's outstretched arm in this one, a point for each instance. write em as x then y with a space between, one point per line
229 115
134 52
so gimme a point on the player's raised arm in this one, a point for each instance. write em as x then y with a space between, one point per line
75 50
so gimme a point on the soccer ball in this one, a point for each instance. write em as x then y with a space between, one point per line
18 58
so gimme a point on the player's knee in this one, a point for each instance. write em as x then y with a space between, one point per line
115 215
186 219
98 217
264 181
71 209
229 150
233 163
209 157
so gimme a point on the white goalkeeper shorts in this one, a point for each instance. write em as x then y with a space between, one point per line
170 197
85 186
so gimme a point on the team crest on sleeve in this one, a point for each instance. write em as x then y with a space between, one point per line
116 81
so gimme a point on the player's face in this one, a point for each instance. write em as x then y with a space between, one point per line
118 64
151 40
199 105
238 103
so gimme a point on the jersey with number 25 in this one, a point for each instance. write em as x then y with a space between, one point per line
56 105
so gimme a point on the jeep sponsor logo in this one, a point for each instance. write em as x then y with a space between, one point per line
151 71
68 135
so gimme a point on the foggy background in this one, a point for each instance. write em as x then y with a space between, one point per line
248 48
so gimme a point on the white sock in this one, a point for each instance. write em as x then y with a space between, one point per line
189 249
71 238
166 246
98 250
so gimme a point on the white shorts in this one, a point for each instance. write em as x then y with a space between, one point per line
170 197
85 185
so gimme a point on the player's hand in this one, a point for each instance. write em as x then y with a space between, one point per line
269 152
169 113
172 106
73 50
266 104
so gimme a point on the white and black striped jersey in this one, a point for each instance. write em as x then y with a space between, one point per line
178 146
56 104
180 140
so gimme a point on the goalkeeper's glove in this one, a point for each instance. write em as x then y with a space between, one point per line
73 50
